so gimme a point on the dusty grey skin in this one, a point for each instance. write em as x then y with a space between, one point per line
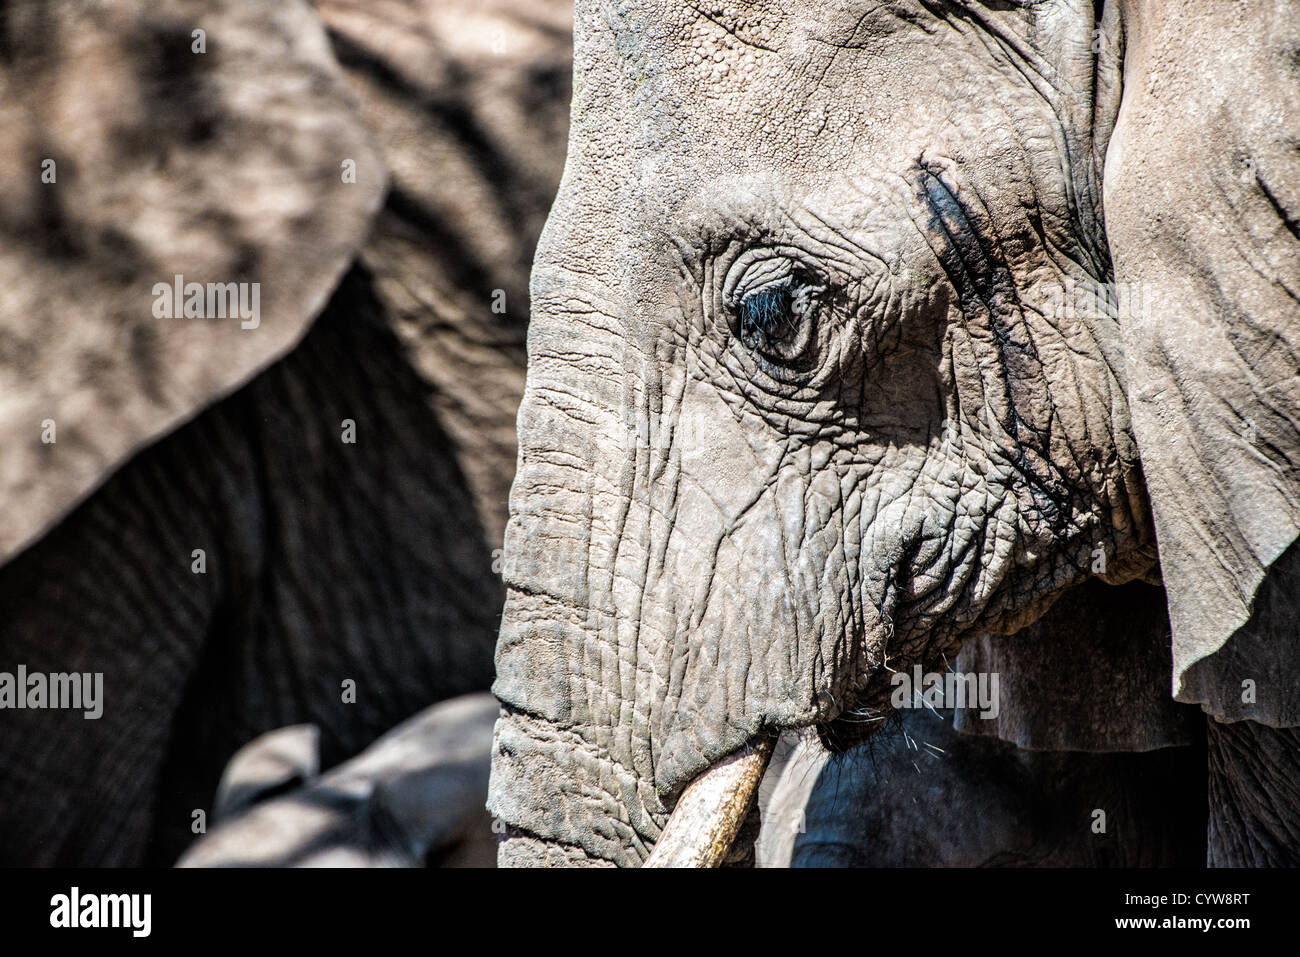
325 562
413 798
801 410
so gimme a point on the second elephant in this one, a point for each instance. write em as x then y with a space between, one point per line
288 515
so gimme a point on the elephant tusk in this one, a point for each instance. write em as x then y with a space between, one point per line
708 816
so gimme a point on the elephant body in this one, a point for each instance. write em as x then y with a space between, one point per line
244 529
318 556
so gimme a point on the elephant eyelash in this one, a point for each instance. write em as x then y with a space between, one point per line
780 307
774 320
767 314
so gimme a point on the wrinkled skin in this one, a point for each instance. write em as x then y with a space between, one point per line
800 411
326 562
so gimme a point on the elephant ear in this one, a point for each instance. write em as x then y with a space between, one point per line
1202 207
141 141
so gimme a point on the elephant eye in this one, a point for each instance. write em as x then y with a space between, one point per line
776 320
766 316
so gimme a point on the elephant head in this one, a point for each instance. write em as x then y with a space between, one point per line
860 328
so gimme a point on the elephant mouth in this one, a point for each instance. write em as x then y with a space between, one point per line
711 811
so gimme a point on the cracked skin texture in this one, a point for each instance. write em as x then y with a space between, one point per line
708 539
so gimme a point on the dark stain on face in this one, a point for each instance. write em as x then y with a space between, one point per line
966 245
971 259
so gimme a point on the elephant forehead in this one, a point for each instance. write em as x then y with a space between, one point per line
798 83
672 100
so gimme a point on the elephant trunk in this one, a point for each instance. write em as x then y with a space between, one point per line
564 802
567 805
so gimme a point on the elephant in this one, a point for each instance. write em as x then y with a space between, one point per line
263 297
865 333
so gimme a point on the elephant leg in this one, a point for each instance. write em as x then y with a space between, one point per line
1254 795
